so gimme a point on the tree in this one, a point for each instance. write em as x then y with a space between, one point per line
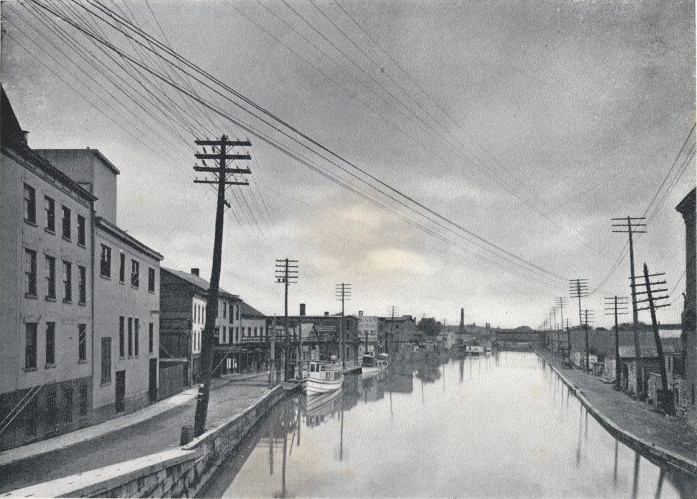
429 326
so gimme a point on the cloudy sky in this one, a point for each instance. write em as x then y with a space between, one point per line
502 136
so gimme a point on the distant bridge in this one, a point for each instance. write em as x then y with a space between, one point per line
519 340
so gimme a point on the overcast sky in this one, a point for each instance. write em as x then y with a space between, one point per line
530 124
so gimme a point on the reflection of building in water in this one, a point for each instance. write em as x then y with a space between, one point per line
400 382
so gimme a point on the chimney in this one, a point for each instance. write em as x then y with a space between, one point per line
302 309
326 314
194 271
360 313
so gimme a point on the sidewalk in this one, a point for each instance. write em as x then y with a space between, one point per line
151 429
631 416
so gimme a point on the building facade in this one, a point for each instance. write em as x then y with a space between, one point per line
183 310
46 359
689 316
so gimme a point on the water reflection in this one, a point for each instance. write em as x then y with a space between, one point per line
509 430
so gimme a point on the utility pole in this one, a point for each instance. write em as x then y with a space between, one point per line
578 288
343 293
665 402
220 148
631 226
617 305
560 301
585 327
568 339
391 310
286 274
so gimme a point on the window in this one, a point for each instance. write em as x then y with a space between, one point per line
51 407
50 278
30 273
224 310
30 345
66 223
237 312
135 273
151 280
122 267
50 343
81 238
106 360
68 409
67 282
136 335
130 337
29 204
82 284
82 342
32 410
122 338
151 337
50 207
83 400
105 262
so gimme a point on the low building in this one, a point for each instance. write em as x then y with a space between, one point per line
183 304
46 359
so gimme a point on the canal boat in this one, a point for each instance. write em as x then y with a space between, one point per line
474 350
373 366
322 376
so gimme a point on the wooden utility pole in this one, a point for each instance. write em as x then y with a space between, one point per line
578 288
585 327
617 305
222 181
629 226
665 401
343 293
286 274
560 301
392 312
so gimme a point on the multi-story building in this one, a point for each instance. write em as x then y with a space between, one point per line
367 333
183 303
399 333
246 347
126 294
46 359
686 208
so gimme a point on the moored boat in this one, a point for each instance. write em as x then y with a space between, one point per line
323 376
373 366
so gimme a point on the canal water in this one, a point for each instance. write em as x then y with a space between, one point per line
501 425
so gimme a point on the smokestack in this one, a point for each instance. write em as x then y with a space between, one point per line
302 309
194 271
462 319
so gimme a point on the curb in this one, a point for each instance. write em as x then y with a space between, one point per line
648 449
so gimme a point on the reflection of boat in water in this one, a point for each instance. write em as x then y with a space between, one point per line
323 376
373 366
319 406
474 350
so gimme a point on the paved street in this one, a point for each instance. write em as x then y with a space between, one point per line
160 433
668 432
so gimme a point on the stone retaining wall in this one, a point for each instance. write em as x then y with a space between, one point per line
647 449
174 473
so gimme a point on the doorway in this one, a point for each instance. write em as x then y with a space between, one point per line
120 404
152 380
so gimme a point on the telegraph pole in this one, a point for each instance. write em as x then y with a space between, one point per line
286 274
617 305
585 327
221 155
343 293
560 301
665 402
392 312
578 288
631 226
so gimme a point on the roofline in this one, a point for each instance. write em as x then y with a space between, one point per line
112 229
95 152
687 203
30 155
221 292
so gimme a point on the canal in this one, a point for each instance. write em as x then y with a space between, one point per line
501 425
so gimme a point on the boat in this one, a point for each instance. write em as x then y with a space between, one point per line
321 405
474 350
322 376
373 366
